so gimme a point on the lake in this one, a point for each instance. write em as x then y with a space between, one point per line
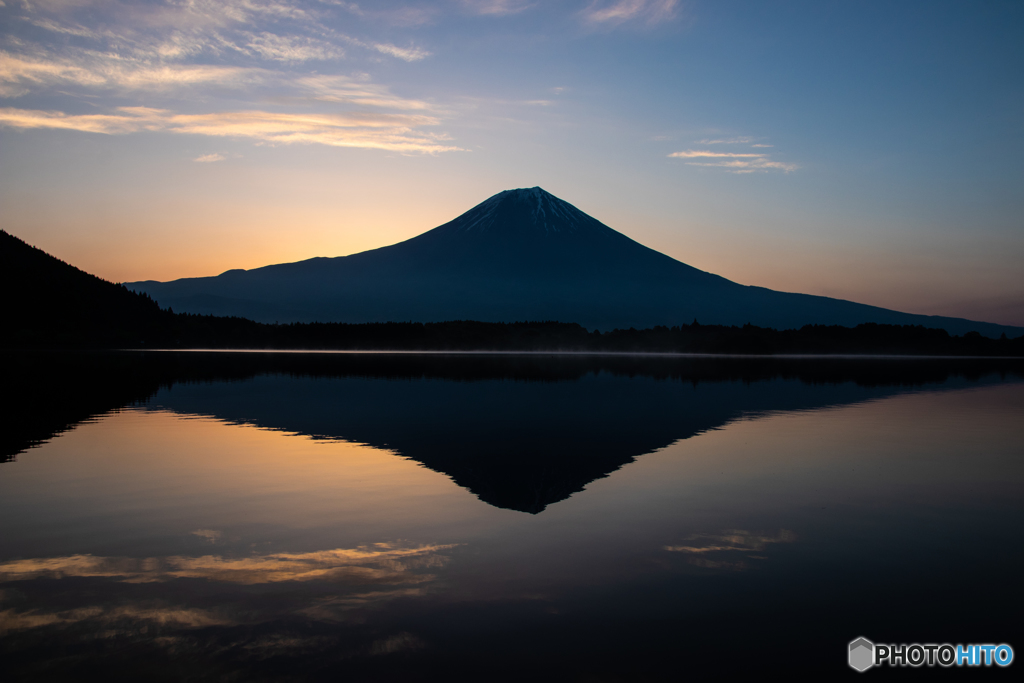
274 516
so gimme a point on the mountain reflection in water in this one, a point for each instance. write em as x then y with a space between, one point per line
292 517
520 432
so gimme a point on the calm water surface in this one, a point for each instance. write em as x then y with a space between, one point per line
220 517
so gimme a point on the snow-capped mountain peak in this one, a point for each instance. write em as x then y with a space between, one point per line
524 211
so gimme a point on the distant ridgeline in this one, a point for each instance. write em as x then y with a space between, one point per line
51 304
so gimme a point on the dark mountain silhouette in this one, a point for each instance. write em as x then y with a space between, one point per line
48 303
519 432
521 255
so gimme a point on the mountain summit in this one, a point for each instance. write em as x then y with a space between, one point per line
529 240
520 255
526 211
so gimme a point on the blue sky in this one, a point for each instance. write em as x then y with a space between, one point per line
865 150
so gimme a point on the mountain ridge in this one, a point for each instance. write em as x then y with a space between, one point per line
48 302
521 254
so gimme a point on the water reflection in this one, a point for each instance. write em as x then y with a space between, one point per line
217 518
519 432
346 578
379 564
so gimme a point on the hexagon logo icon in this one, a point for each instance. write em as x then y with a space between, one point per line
862 654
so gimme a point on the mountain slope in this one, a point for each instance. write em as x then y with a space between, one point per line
49 303
520 255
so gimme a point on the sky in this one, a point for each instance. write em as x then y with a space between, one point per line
869 151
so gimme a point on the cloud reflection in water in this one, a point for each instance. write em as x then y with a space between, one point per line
379 563
378 572
713 551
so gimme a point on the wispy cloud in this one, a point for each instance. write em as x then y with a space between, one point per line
181 29
369 130
408 15
208 159
360 92
144 36
409 54
229 58
66 29
128 120
690 154
290 48
745 140
620 11
727 141
497 8
20 74
734 162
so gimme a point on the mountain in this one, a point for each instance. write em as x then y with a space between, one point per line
520 255
49 303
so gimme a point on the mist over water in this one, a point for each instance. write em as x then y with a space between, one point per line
263 517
